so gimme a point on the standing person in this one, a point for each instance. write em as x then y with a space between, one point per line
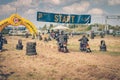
52 34
26 35
92 35
102 35
44 37
39 36
114 34
4 40
1 42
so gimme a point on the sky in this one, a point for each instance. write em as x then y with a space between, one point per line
28 9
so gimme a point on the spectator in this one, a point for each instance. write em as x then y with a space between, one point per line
1 42
92 35
114 34
102 35
88 48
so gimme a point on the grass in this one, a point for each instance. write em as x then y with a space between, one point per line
114 53
49 64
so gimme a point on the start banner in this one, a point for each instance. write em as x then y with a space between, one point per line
63 18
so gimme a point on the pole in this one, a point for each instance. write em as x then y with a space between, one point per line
106 26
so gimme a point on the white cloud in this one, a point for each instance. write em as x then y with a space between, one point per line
55 2
96 11
20 3
30 14
30 11
98 1
77 8
4 9
24 7
114 2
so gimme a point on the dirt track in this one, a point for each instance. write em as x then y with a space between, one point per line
50 64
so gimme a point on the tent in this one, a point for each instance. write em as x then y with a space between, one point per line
61 27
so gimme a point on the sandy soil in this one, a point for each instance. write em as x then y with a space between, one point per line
49 64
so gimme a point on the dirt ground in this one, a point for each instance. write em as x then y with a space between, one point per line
49 64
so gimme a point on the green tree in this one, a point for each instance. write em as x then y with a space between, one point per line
89 27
